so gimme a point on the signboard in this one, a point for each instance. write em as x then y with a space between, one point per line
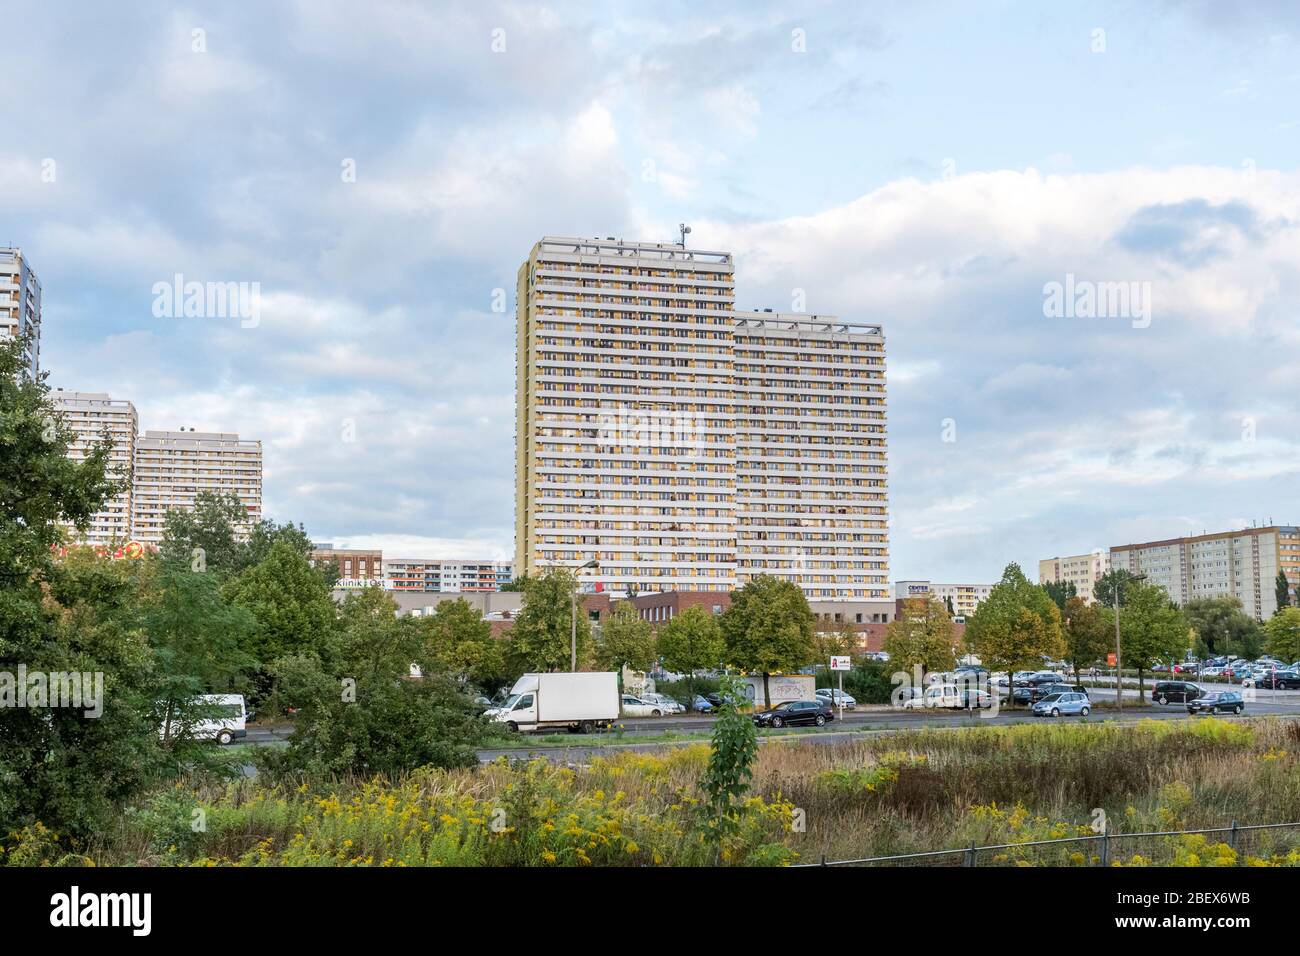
841 664
1110 659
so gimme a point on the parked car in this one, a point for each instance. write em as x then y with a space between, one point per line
974 699
909 698
1213 670
836 697
1059 705
793 712
1187 667
1040 677
715 700
702 704
1047 690
636 707
1287 679
219 717
1175 691
667 704
1226 702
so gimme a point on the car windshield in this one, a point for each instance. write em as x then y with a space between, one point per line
787 705
1048 700
510 701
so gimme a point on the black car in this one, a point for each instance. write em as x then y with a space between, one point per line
1041 677
1047 690
794 712
1176 691
1279 680
1228 702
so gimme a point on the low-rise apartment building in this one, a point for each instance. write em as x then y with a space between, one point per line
446 575
1081 570
965 598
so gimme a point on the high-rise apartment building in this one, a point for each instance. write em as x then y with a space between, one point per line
94 416
811 470
173 467
1081 570
20 304
1241 564
666 436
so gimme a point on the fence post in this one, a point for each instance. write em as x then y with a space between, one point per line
1105 847
823 859
1232 837
969 859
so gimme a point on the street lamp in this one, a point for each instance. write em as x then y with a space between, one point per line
1119 663
573 614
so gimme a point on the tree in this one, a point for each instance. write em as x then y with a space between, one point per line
922 636
1151 628
828 644
625 638
1016 626
64 766
539 640
1222 627
1060 592
294 611
1103 592
690 642
1084 628
206 537
1282 589
769 628
1283 634
458 642
732 751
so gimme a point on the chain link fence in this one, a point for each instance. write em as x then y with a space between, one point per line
1220 846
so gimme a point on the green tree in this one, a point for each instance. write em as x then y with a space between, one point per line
458 642
1222 627
624 637
690 642
360 711
769 629
1116 579
206 537
1152 629
61 765
1084 628
922 636
1282 590
1016 626
1060 592
539 640
1282 634
294 611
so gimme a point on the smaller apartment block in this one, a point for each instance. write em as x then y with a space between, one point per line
965 597
94 416
1241 564
1081 570
173 467
357 567
435 575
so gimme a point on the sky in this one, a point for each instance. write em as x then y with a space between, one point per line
381 170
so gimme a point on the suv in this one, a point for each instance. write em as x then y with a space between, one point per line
1176 691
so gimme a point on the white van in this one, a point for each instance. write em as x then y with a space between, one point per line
936 695
224 719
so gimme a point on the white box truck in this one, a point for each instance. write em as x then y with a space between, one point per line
579 703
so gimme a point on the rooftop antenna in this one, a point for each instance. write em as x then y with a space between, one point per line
685 230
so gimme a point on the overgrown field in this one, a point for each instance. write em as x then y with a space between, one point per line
898 793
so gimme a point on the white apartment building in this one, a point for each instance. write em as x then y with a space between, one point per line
446 575
172 467
92 416
1081 570
665 435
965 597
20 304
1241 564
811 454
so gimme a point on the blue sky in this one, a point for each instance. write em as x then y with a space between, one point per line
927 166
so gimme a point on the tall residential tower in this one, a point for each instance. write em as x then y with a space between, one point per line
20 304
686 446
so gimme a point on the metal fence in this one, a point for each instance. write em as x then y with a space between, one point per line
1231 845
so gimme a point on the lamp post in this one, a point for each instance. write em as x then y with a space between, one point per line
573 614
1119 663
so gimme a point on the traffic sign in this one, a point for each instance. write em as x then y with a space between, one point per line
840 664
